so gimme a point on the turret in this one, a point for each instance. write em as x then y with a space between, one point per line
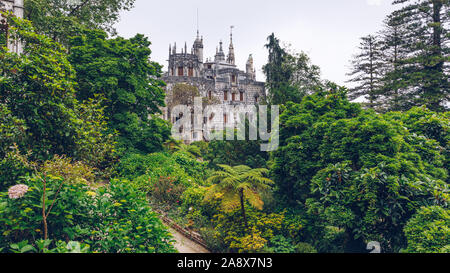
220 56
198 47
249 67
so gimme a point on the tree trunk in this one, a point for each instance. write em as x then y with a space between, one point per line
241 195
437 53
437 30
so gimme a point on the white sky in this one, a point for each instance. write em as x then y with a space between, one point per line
327 30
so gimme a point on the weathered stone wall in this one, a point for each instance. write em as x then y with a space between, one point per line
16 6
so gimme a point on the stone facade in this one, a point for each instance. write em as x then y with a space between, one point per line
16 6
219 79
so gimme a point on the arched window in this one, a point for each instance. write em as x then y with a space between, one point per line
191 72
180 71
241 96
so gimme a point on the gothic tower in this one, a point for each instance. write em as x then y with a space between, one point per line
220 56
198 47
249 67
231 57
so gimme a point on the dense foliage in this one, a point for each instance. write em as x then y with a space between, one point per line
62 19
289 75
86 164
37 87
113 219
357 170
428 231
406 64
120 71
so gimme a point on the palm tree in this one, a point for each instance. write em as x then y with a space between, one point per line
237 184
178 146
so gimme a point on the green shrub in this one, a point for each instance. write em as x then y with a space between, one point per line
305 248
167 190
334 240
12 129
21 219
71 172
214 242
193 197
13 167
429 231
280 244
42 246
115 218
124 222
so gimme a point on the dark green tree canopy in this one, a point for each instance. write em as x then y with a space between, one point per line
120 70
61 19
357 170
38 88
289 75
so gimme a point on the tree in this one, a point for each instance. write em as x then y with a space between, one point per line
289 75
393 47
426 74
178 146
38 88
61 19
411 60
39 105
181 94
120 70
237 152
238 184
302 126
367 71
356 170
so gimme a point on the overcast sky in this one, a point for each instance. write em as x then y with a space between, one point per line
327 30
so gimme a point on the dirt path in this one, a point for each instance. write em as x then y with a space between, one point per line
185 245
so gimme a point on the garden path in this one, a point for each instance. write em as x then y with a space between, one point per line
185 245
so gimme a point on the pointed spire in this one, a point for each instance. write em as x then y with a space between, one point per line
198 28
175 48
170 49
231 57
185 48
231 36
